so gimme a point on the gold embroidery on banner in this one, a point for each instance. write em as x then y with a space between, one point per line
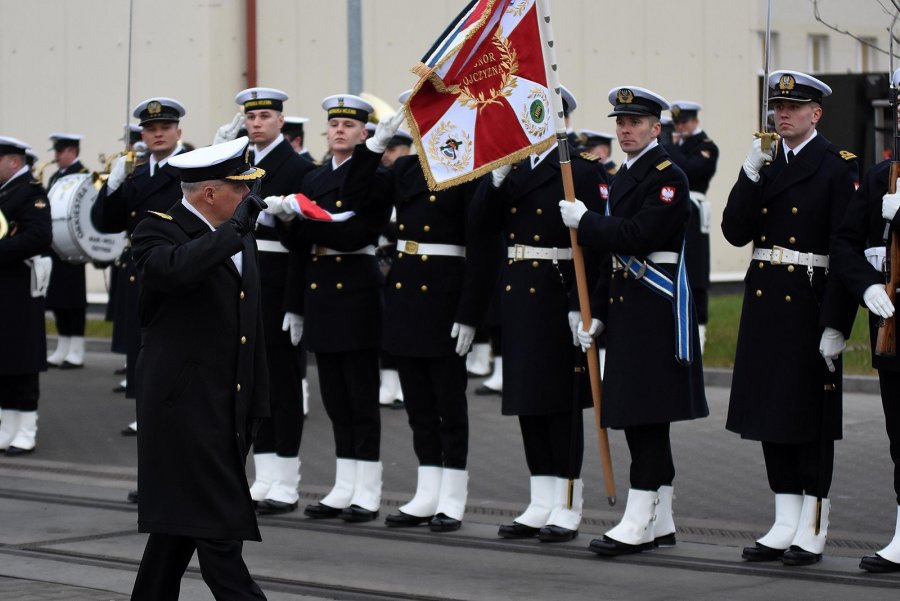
534 116
445 147
506 70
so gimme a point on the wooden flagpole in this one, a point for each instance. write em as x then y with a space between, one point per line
577 257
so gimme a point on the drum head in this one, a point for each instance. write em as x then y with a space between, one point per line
75 239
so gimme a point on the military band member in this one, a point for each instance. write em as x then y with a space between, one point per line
125 199
67 294
786 391
25 231
202 381
600 144
277 447
858 259
293 133
543 381
434 295
340 283
697 155
643 294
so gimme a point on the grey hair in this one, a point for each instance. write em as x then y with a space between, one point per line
191 188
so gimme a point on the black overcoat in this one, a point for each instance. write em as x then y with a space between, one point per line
202 377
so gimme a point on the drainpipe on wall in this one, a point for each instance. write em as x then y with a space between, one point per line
251 43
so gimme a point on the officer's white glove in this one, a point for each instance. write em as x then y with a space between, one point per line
285 208
499 174
293 324
574 322
831 346
464 336
890 203
757 156
384 131
586 339
229 131
878 301
572 212
116 174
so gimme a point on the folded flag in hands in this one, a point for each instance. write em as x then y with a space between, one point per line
308 209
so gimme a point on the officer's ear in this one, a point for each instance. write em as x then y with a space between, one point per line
817 112
656 127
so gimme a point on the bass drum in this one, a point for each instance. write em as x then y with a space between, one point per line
75 238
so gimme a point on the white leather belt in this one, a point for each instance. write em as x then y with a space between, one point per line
778 255
411 247
661 256
876 256
520 252
270 246
321 251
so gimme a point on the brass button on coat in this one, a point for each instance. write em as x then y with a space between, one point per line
794 210
764 210
339 204
432 198
508 287
537 238
792 240
532 290
424 288
313 286
759 293
398 285
242 295
339 286
790 268
539 212
131 278
243 340
238 387
787 298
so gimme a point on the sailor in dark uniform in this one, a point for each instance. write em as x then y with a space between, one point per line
436 292
25 231
277 447
67 294
125 198
293 133
600 144
338 279
786 391
544 381
697 155
643 295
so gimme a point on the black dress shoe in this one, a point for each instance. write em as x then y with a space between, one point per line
272 507
53 365
556 534
17 451
444 523
760 552
355 513
795 556
485 391
666 540
321 511
69 365
128 431
878 564
608 547
119 388
404 520
132 496
517 530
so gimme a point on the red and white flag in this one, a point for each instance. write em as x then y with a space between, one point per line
302 205
482 100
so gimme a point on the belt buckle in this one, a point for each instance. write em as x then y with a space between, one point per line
777 254
411 247
519 252
320 251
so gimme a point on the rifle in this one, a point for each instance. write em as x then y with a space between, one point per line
886 343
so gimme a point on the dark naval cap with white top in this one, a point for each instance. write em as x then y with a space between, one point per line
257 99
227 161
685 110
347 106
633 100
9 145
159 108
796 87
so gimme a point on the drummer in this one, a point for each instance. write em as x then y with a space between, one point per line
67 293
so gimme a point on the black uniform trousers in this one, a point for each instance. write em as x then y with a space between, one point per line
282 432
434 390
70 321
890 393
166 557
652 465
20 392
349 384
798 469
554 443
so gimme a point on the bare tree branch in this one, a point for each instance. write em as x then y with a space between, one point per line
865 42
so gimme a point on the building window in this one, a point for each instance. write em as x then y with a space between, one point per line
818 53
868 55
773 51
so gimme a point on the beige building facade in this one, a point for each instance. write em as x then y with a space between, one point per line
64 63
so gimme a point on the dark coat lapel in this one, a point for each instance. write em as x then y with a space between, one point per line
804 166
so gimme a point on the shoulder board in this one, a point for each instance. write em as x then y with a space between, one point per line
40 203
708 141
664 165
847 155
587 156
165 216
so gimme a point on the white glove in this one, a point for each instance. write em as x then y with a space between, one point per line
116 174
229 131
574 322
384 131
285 208
757 156
878 301
499 174
464 336
890 203
572 212
831 346
293 323
586 339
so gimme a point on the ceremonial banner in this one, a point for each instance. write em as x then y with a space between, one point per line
482 100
